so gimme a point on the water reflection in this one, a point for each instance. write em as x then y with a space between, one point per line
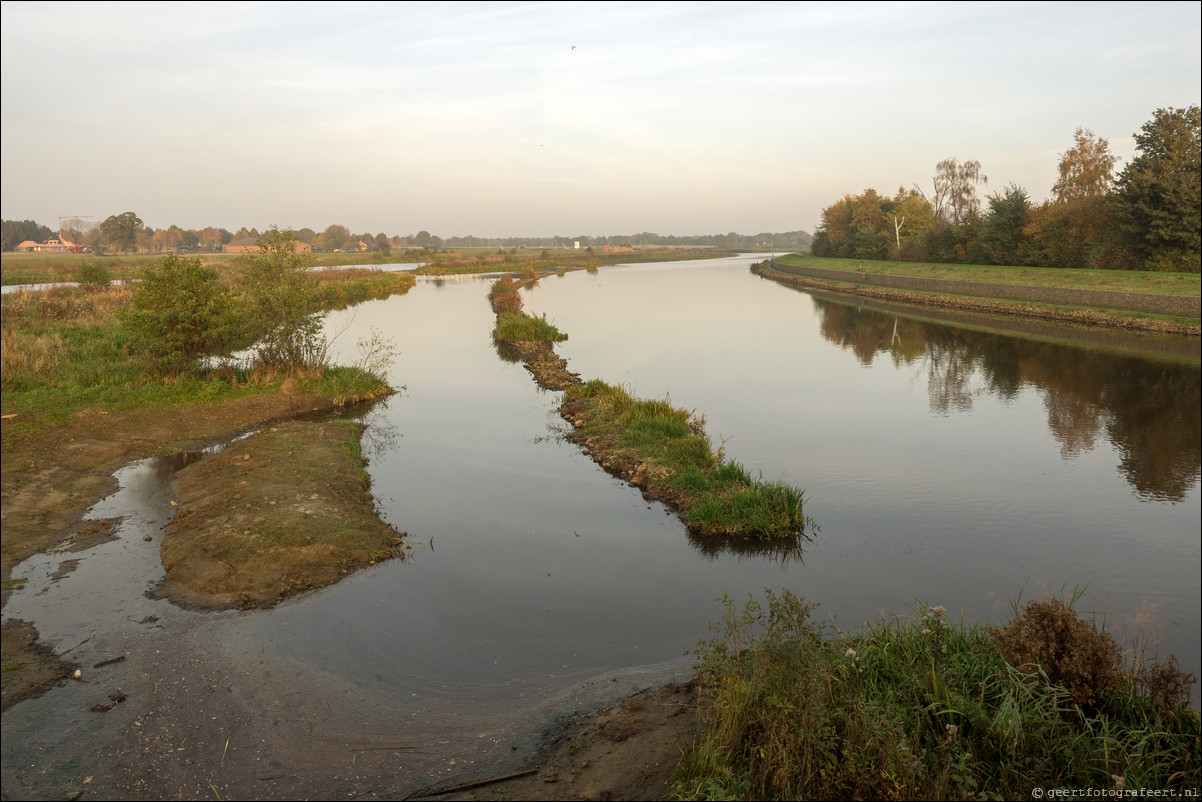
1142 407
781 552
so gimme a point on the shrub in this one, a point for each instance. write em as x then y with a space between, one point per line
1165 684
1071 651
180 312
93 274
504 296
281 307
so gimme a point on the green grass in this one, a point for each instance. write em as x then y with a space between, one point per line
65 349
1120 280
674 459
925 710
38 268
519 327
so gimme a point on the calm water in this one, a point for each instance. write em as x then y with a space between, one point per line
942 465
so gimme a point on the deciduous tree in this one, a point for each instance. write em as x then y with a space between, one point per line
956 189
1159 194
335 238
1086 169
120 231
912 217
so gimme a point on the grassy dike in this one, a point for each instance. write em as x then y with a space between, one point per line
659 448
1123 280
934 710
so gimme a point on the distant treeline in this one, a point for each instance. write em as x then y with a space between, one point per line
791 240
126 233
1148 217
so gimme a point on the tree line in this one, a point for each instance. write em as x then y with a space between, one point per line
1147 217
126 233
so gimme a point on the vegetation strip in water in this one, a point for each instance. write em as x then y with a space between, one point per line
665 451
650 443
933 710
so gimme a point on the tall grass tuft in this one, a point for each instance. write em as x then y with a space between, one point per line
520 327
504 296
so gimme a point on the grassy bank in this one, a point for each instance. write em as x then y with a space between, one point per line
665 451
41 268
1121 280
65 349
933 709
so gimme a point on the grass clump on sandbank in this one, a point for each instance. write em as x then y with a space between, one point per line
665 451
514 325
932 710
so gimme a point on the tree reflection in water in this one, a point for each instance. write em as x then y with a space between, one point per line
1147 409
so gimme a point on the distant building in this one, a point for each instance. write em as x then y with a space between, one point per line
52 245
251 245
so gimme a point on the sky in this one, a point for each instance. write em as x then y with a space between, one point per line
543 119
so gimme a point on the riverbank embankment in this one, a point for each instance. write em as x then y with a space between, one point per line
1075 306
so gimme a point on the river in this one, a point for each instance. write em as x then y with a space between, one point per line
942 464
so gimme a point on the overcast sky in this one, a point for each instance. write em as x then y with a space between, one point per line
559 118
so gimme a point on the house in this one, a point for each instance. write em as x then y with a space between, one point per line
52 245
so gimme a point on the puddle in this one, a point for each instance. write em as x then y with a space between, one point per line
92 595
